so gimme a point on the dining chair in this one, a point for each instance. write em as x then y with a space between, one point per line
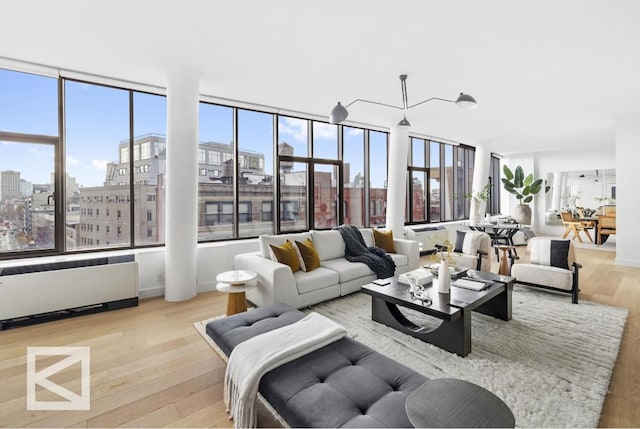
575 226
606 226
609 210
589 224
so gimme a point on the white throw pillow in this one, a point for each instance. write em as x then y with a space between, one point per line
279 240
328 244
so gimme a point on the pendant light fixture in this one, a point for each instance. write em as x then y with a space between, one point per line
340 113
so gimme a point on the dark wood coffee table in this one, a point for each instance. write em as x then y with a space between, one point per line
454 309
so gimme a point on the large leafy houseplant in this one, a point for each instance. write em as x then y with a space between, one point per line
523 187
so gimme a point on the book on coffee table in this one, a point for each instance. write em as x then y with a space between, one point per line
423 276
473 284
455 271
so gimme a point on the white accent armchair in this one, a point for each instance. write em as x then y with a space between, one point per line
552 266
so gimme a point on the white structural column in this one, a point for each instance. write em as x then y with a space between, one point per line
181 244
481 165
397 180
557 190
627 202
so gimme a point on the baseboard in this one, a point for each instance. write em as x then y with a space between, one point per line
627 262
151 292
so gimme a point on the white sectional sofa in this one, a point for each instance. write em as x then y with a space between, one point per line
335 277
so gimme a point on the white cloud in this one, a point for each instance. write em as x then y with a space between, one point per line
324 131
99 164
73 162
354 132
295 128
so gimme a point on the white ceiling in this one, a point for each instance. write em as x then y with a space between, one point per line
546 73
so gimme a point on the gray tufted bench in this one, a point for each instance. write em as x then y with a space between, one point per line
347 384
344 384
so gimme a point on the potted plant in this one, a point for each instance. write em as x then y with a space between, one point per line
524 188
476 199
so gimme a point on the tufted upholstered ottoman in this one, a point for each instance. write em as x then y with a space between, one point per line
344 384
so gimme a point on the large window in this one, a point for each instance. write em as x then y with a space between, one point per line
354 176
149 173
438 175
215 187
29 147
377 168
493 205
255 187
112 172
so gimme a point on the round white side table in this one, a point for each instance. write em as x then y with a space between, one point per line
235 283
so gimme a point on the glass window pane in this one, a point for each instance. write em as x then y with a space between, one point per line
417 152
377 178
97 126
292 135
434 181
293 196
353 171
27 214
460 181
325 140
419 179
447 193
149 125
28 103
325 196
255 142
215 187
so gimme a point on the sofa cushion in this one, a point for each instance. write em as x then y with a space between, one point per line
286 254
328 244
400 259
344 384
279 240
543 275
384 240
315 280
347 270
309 255
367 236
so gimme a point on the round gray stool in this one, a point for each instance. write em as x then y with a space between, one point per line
453 403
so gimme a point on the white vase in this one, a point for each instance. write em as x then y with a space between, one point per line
444 278
475 216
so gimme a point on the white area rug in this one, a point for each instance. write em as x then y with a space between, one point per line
551 363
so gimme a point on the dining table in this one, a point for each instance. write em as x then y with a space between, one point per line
500 233
594 219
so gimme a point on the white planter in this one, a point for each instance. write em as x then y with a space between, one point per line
475 216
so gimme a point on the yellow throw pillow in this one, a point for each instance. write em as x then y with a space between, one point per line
286 254
310 258
384 240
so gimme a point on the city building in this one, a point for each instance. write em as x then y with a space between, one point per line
9 185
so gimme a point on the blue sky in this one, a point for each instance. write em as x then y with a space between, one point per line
97 120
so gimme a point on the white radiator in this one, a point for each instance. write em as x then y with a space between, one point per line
50 287
428 237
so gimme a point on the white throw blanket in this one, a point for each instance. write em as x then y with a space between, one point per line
253 358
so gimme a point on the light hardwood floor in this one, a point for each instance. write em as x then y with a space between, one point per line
150 368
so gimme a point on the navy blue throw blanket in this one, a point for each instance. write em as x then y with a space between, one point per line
374 257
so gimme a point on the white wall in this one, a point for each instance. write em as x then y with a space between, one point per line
213 259
628 199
